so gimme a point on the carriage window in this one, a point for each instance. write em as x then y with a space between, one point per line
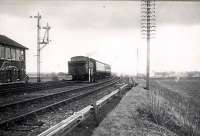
8 53
18 55
2 52
13 54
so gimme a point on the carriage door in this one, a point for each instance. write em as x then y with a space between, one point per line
91 66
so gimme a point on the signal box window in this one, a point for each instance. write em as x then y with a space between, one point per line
8 53
2 52
13 54
18 55
22 55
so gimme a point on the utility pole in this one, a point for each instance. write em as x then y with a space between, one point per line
89 80
137 64
39 42
148 43
148 29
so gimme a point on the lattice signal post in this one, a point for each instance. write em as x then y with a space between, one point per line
40 42
148 26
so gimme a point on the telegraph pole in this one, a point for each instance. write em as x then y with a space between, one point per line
44 42
148 43
137 63
148 29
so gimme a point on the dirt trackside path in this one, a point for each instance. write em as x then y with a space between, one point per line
125 119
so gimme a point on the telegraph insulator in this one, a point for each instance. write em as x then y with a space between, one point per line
148 17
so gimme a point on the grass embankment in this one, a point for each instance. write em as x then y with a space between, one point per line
177 112
155 112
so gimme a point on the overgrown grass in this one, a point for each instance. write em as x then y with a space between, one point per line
172 110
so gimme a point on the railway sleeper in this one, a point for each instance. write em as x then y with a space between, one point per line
11 121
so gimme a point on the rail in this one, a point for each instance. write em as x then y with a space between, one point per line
21 87
68 100
68 124
63 91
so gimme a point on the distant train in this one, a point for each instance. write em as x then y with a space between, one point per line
12 60
85 68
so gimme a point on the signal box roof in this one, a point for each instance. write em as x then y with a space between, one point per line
4 40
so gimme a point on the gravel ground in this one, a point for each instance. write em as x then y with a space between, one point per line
33 94
30 106
42 122
36 104
26 96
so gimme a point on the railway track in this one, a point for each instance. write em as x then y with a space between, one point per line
18 88
48 93
19 110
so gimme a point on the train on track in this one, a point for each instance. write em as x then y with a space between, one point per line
13 64
85 68
12 60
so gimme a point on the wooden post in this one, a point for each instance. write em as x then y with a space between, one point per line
95 111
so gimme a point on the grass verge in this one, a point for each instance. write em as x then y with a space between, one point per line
129 118
172 110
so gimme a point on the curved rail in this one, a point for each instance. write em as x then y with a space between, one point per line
51 95
68 100
14 88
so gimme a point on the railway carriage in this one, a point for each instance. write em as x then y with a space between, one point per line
12 60
80 67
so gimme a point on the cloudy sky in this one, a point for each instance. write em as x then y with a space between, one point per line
108 31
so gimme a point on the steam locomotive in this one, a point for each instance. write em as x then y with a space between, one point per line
85 68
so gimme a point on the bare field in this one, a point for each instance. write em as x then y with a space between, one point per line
182 98
188 87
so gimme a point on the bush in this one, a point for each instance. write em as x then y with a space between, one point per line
54 77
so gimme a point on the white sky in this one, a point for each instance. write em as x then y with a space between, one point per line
107 31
